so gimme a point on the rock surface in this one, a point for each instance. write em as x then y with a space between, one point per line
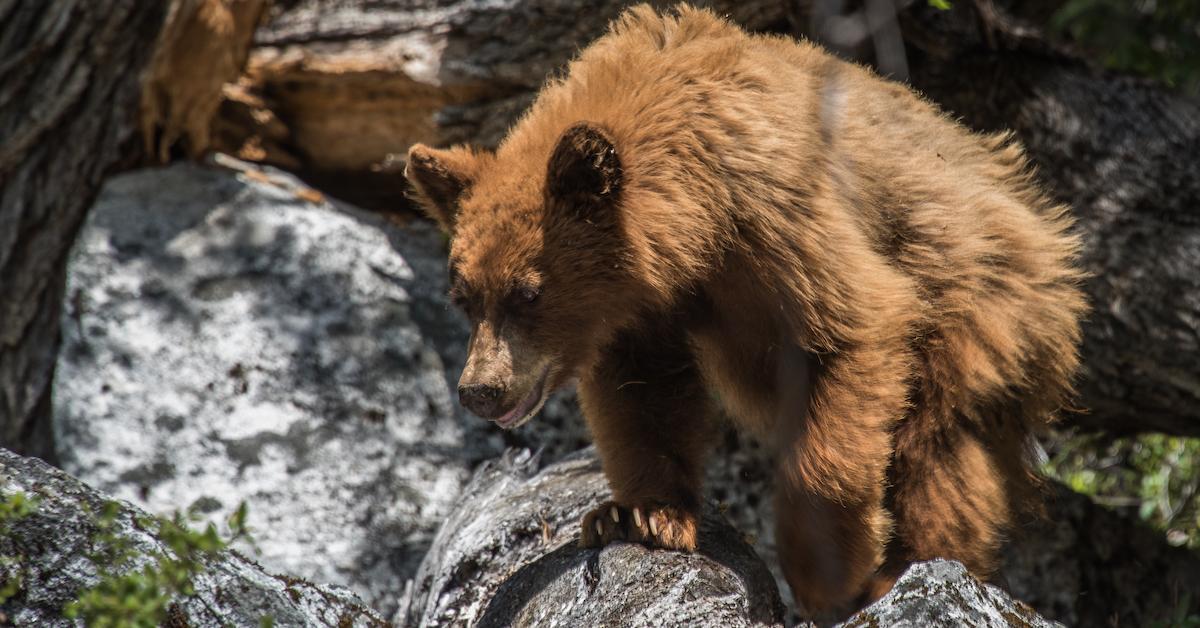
234 337
1085 565
508 557
48 551
231 336
941 593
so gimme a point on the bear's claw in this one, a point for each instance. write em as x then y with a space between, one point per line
654 525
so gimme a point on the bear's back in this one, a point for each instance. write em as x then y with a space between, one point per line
749 129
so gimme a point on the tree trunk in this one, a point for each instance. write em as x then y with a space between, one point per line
71 102
70 85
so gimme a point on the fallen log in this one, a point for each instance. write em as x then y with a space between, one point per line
509 556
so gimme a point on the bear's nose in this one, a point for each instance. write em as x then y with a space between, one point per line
480 399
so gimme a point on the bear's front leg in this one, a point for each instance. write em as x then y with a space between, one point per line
652 524
649 415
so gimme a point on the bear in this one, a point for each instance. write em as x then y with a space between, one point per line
697 225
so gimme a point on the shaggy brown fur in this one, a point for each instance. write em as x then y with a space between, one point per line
696 220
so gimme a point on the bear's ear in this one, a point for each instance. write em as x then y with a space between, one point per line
584 173
440 177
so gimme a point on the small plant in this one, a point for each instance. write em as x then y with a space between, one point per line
1155 39
13 508
128 597
1153 475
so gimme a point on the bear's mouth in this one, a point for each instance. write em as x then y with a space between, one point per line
528 406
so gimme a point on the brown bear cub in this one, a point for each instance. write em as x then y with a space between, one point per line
695 222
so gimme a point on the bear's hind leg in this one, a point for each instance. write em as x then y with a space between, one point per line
831 468
649 415
950 495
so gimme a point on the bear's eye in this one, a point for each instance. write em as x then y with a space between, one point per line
458 298
526 294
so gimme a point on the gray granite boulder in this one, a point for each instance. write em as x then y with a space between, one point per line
941 593
230 335
47 554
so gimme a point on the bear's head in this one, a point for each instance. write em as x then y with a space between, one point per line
537 261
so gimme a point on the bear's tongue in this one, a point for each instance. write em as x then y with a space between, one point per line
527 404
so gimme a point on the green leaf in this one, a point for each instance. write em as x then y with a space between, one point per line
128 596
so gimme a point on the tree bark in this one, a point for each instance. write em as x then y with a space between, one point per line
71 103
69 84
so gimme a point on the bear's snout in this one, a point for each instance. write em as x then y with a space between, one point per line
481 399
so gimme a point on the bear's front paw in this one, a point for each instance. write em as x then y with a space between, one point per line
655 525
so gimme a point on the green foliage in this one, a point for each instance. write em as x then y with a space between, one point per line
12 584
1159 39
129 597
13 508
940 4
1155 476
